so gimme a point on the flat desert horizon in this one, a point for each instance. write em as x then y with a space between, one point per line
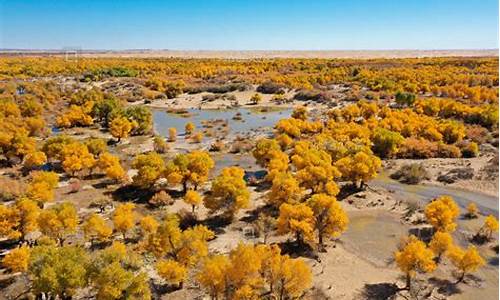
255 54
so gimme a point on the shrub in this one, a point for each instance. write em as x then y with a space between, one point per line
418 148
448 151
160 199
411 173
216 146
10 189
159 144
406 99
270 87
74 185
305 95
469 150
386 142
477 134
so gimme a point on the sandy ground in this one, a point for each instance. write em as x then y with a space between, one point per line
438 166
251 54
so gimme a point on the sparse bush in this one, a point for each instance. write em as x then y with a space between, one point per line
306 95
448 151
418 148
172 134
159 144
10 189
161 199
405 99
270 87
477 134
74 185
217 146
469 150
411 174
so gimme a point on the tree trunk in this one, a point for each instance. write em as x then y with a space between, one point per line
193 208
184 187
461 278
408 282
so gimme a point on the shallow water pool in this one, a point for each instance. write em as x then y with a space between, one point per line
251 119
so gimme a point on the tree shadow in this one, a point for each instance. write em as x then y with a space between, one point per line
493 261
295 249
253 215
5 282
379 291
422 233
445 286
217 223
131 193
479 239
348 190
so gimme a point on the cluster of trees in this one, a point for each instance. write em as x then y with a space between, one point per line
304 162
77 157
409 132
415 256
471 79
89 106
22 106
118 270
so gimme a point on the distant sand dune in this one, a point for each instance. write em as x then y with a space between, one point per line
362 54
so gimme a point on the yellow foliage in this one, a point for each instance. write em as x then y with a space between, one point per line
330 217
489 227
171 271
76 157
296 219
149 225
58 221
34 159
284 189
121 127
192 198
359 168
189 128
42 185
172 134
414 257
229 192
124 218
212 275
472 210
467 261
110 164
95 228
17 259
441 213
440 243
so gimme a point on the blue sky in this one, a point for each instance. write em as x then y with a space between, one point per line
249 25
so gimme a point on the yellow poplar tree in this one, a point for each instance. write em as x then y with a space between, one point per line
95 228
229 192
58 221
124 218
296 219
440 243
192 198
467 261
330 219
121 127
17 259
414 257
172 272
441 213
